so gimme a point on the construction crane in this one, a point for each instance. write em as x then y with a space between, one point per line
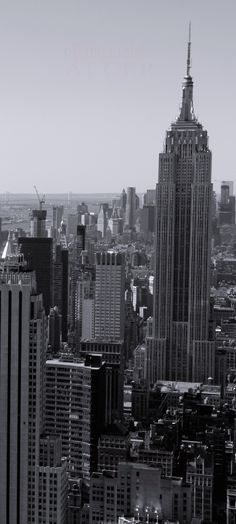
41 200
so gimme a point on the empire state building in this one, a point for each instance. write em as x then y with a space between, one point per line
179 348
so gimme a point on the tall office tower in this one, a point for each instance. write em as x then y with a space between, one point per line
74 409
0 231
123 200
57 216
115 202
229 183
38 253
115 223
37 358
54 330
75 269
109 296
182 248
113 355
149 198
72 223
103 219
51 482
90 220
214 206
226 205
60 286
131 327
90 249
38 223
22 355
80 240
147 220
84 306
131 206
82 209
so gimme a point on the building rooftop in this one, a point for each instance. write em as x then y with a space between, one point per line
182 387
56 362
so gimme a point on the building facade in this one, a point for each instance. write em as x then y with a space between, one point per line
141 493
227 205
38 253
109 296
38 223
22 354
183 244
74 409
51 482
60 286
132 204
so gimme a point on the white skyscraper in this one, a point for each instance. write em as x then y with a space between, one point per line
103 219
109 296
75 409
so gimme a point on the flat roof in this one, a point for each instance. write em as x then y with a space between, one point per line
56 362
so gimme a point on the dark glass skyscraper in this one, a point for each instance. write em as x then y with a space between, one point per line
38 253
180 349
60 286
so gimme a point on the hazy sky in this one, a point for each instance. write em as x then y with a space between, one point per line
89 87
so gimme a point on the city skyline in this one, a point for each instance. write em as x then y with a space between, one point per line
117 306
98 84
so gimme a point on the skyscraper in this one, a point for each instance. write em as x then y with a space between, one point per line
54 330
109 296
227 204
84 305
182 248
229 183
103 219
38 253
109 324
22 353
60 285
75 268
38 223
57 216
131 206
123 200
57 220
113 355
75 409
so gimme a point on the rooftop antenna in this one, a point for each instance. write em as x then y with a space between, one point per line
189 50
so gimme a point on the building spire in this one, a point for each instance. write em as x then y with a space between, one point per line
189 50
186 110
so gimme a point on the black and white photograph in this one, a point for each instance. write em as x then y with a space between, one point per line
117 262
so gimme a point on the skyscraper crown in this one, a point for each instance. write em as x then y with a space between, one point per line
186 110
